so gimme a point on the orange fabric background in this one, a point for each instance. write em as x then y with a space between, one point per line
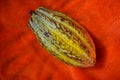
22 58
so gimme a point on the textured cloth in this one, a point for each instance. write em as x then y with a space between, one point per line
22 58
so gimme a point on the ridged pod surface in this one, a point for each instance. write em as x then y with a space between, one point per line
63 37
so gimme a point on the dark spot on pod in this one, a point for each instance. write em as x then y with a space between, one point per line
62 19
46 34
31 12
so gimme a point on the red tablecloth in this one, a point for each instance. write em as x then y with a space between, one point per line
22 58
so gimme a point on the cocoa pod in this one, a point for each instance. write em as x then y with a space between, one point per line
63 37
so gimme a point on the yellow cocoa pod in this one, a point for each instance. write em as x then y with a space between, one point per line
63 37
